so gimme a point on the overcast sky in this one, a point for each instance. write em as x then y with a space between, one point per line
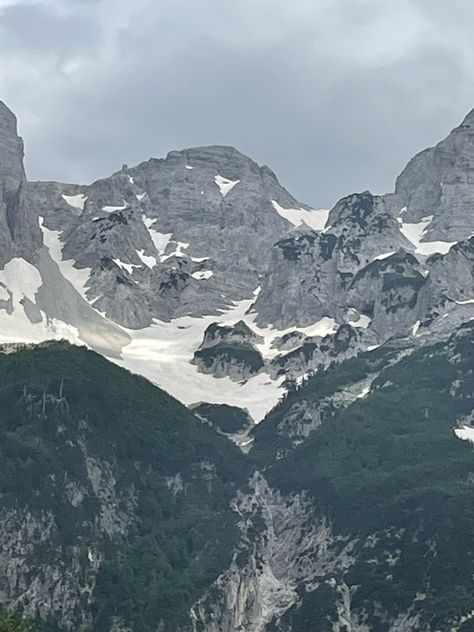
334 95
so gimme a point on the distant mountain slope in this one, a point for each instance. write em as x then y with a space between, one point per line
381 457
140 264
114 498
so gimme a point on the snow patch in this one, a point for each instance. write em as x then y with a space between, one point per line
112 209
202 275
189 167
76 201
181 246
315 218
363 321
23 280
128 267
163 353
415 233
225 185
148 260
78 277
466 433
160 240
140 196
365 391
384 255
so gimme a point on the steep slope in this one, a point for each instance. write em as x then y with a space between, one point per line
140 264
114 498
137 265
362 518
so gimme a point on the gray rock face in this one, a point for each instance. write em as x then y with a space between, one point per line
183 235
310 273
191 234
229 351
19 231
295 547
389 292
439 181
316 353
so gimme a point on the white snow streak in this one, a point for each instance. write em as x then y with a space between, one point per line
225 185
76 201
160 240
384 255
315 219
128 267
415 233
112 209
24 280
148 260
202 274
79 277
466 433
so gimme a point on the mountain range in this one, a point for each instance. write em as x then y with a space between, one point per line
285 444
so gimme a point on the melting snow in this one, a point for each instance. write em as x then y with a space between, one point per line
131 180
466 302
160 240
76 201
320 328
363 321
21 278
129 267
415 327
415 232
202 274
148 260
315 219
365 391
199 259
466 433
140 196
179 252
163 353
79 277
384 255
24 280
225 185
112 209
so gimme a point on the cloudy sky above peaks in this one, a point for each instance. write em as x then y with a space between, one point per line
334 95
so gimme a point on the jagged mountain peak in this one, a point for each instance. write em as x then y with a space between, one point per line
468 120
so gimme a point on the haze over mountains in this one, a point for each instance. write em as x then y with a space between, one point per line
346 333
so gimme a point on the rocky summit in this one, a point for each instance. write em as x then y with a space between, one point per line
223 411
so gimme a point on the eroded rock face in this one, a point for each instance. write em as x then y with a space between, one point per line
439 181
170 237
310 273
284 544
19 231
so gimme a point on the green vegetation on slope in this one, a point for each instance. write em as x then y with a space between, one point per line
12 622
228 419
65 410
390 465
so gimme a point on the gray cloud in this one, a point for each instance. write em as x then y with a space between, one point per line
335 95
